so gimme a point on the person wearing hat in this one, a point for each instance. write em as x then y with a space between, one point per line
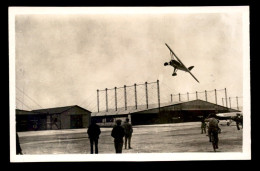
239 120
203 126
213 127
93 134
118 133
128 133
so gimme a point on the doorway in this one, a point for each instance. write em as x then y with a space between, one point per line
76 121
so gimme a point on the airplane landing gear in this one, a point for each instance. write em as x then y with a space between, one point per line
174 74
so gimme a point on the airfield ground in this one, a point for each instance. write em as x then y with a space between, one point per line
164 138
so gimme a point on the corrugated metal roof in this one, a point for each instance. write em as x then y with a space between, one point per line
131 109
58 109
55 110
141 108
24 112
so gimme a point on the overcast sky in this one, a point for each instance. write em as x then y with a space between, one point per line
62 60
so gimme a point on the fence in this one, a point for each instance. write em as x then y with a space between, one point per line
126 96
218 97
148 95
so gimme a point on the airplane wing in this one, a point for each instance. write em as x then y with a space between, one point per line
223 117
171 54
229 114
181 63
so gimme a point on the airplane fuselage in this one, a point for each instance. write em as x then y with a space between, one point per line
177 65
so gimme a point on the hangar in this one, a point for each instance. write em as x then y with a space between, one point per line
167 113
68 117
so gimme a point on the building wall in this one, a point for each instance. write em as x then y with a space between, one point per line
42 120
55 121
144 119
109 121
86 120
48 122
65 120
75 113
75 117
182 112
31 122
22 123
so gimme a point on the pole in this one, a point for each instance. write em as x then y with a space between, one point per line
237 103
216 96
51 120
188 96
226 97
60 120
158 91
146 90
171 97
98 99
206 96
196 95
230 102
115 99
106 101
135 97
125 97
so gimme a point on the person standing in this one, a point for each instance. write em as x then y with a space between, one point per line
213 128
118 133
128 133
93 133
239 120
203 125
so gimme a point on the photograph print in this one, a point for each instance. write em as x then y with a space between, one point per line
129 83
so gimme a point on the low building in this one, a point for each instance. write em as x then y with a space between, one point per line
167 113
68 117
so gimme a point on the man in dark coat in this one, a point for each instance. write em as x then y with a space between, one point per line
118 133
203 125
213 127
128 133
93 134
239 120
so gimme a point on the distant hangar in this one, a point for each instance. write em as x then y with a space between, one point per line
68 117
167 113
72 117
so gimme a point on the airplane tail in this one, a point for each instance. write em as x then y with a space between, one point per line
191 67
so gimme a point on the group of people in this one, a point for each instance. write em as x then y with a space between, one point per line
213 127
118 133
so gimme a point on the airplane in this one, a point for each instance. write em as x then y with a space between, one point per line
227 118
231 116
177 64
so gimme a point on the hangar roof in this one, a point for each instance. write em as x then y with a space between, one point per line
55 110
187 105
24 112
130 109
